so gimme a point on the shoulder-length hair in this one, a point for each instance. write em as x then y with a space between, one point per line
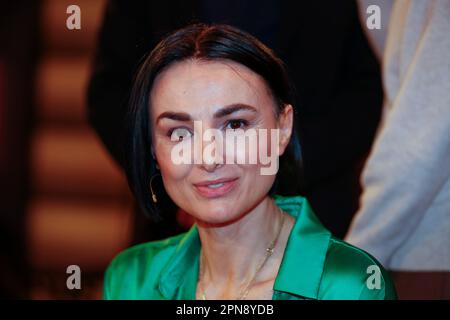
203 42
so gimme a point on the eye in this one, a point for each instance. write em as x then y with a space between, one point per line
179 134
236 124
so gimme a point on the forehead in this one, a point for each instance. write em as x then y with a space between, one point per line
195 85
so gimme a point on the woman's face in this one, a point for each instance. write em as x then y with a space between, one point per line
221 95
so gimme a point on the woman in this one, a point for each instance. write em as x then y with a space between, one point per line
247 242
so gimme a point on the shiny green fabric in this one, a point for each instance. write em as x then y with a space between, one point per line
315 265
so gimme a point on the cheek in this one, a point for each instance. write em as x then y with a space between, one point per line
172 173
259 147
255 182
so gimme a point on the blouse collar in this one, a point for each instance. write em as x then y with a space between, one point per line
301 266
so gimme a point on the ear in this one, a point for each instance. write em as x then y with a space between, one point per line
285 124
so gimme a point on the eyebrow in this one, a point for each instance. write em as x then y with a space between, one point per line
222 112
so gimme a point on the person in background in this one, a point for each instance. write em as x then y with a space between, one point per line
404 219
336 74
376 36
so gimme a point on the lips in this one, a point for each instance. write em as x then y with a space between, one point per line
215 188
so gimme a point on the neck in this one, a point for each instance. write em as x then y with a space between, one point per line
231 252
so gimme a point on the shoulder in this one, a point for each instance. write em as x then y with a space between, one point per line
137 268
351 273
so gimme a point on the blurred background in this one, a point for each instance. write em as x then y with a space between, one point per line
63 199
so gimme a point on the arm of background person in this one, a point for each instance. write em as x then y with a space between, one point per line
410 161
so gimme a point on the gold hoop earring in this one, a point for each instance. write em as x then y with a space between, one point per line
155 200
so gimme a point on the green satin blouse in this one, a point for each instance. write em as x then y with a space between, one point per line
315 265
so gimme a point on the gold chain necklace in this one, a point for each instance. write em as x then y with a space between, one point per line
269 251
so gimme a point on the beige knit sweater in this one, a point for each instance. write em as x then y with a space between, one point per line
404 219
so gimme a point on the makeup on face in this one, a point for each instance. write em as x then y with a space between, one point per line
188 99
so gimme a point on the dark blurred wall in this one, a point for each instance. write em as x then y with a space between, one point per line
18 53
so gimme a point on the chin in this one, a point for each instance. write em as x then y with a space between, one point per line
215 213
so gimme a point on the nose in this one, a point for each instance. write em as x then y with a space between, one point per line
211 160
210 167
210 150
